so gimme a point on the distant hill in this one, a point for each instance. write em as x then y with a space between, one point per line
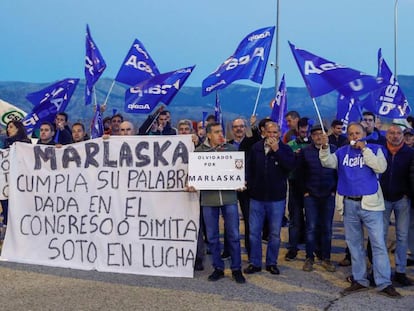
236 100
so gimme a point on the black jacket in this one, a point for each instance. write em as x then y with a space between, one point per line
266 174
398 179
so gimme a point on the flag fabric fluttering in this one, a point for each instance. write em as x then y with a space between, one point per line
97 128
94 66
145 96
9 112
388 101
137 66
48 102
249 61
348 110
322 76
279 109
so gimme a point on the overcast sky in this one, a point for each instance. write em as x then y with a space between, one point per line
44 41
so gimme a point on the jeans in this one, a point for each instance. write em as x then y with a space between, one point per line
354 219
244 201
401 210
319 216
274 212
411 232
296 216
201 245
231 224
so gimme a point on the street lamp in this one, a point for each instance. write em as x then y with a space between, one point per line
395 38
277 47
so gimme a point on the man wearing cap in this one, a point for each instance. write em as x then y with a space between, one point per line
409 137
363 206
319 201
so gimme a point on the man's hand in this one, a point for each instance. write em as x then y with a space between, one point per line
273 143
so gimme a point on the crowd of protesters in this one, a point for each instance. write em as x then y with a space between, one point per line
366 174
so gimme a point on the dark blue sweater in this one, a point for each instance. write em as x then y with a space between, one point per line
317 180
398 179
266 175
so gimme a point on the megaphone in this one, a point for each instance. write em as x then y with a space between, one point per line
373 136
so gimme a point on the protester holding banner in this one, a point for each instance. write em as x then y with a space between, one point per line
78 132
16 132
185 127
363 204
116 121
47 131
268 166
127 128
212 201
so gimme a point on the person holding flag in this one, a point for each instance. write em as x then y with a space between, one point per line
363 206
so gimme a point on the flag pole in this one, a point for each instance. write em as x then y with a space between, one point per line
94 95
109 92
319 115
257 100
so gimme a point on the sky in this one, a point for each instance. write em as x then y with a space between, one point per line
44 41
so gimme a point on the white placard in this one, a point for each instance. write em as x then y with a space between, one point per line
216 170
114 205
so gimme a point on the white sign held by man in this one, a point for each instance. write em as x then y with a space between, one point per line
216 170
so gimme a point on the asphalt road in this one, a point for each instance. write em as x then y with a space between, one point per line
31 287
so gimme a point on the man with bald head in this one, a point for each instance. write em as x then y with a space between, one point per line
126 129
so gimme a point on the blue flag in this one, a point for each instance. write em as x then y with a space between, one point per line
97 128
48 102
248 62
388 101
280 106
322 76
143 97
137 66
348 110
94 66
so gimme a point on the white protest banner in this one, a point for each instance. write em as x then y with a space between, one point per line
115 205
216 170
4 173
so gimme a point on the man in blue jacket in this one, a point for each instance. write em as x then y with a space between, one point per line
268 166
319 201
